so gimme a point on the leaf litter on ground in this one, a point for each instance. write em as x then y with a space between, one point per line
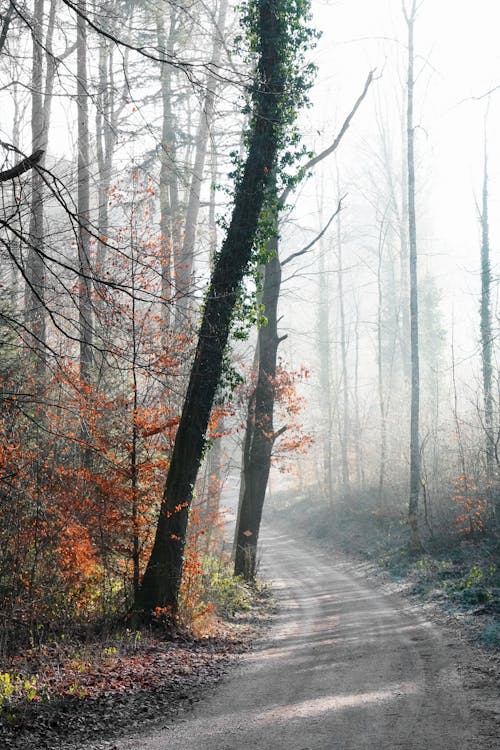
85 694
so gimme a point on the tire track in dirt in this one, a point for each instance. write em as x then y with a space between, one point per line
347 666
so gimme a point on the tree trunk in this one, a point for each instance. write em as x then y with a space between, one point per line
486 330
35 291
186 257
415 542
346 427
380 371
169 193
83 200
259 437
260 434
161 581
107 112
486 350
325 378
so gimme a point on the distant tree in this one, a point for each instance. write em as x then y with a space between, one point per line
485 324
410 14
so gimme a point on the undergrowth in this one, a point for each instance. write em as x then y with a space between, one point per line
461 572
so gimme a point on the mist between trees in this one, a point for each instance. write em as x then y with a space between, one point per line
136 194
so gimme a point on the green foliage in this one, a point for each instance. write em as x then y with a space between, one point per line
229 380
490 636
475 587
228 593
17 687
297 74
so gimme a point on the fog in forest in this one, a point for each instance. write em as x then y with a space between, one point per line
123 128
357 343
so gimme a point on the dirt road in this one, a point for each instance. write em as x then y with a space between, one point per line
347 666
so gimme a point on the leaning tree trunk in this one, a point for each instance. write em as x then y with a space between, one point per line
414 350
162 578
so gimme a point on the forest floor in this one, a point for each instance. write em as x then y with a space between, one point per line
350 663
355 659
73 693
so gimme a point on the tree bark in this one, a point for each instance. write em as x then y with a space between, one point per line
83 199
162 578
260 429
415 542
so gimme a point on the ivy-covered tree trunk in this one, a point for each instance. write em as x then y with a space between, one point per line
162 578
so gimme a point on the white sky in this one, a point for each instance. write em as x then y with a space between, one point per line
458 57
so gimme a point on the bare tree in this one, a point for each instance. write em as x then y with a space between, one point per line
415 543
485 325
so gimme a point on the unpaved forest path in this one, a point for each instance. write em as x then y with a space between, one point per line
347 666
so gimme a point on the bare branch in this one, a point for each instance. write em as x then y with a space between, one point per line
333 146
23 166
318 236
279 432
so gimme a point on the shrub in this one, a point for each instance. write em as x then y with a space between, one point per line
490 636
228 593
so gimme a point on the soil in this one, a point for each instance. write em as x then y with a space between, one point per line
351 663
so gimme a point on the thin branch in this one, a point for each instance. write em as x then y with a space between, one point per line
279 432
318 236
333 146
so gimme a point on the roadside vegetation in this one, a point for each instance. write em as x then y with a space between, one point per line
80 685
457 569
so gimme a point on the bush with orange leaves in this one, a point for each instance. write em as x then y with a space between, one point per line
474 508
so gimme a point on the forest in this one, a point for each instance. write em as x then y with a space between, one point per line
249 277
